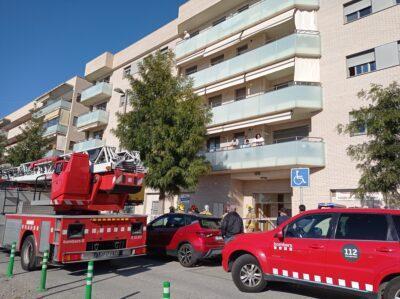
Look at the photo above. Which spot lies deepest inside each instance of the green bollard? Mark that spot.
(89, 279)
(42, 287)
(10, 268)
(166, 290)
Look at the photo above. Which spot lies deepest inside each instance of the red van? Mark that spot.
(352, 250)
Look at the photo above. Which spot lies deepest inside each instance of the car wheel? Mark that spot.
(392, 290)
(248, 275)
(29, 259)
(186, 255)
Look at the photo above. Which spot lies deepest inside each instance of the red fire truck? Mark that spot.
(71, 206)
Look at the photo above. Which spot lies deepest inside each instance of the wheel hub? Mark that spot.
(250, 275)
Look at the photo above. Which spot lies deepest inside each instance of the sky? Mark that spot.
(46, 42)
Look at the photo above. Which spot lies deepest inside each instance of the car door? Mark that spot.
(364, 245)
(301, 253)
(155, 232)
(170, 234)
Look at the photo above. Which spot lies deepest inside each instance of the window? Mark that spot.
(210, 223)
(362, 227)
(122, 100)
(357, 9)
(361, 128)
(175, 221)
(164, 50)
(282, 85)
(78, 97)
(396, 220)
(361, 63)
(160, 222)
(98, 135)
(75, 121)
(71, 145)
(105, 79)
(315, 226)
(242, 49)
(243, 8)
(219, 21)
(127, 71)
(291, 134)
(191, 70)
(102, 106)
(75, 231)
(51, 122)
(213, 144)
(217, 60)
(240, 94)
(215, 101)
(194, 33)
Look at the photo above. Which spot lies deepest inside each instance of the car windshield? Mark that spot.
(211, 223)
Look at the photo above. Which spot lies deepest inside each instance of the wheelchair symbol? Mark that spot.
(298, 179)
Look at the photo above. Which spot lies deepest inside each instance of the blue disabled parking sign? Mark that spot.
(300, 177)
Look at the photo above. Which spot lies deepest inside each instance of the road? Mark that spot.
(141, 277)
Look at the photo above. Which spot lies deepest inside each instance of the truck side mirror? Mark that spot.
(279, 235)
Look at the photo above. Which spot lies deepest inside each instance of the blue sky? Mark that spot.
(45, 42)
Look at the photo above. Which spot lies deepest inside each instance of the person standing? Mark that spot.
(302, 208)
(283, 216)
(232, 224)
(206, 211)
(171, 210)
(251, 220)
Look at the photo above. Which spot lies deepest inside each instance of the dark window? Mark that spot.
(215, 101)
(217, 59)
(194, 33)
(241, 50)
(127, 71)
(136, 228)
(213, 144)
(360, 129)
(396, 220)
(365, 12)
(362, 227)
(210, 223)
(282, 85)
(291, 134)
(160, 222)
(75, 121)
(78, 98)
(191, 70)
(102, 106)
(355, 15)
(164, 50)
(311, 227)
(219, 21)
(240, 138)
(240, 94)
(175, 221)
(352, 17)
(122, 100)
(75, 231)
(71, 145)
(243, 8)
(362, 69)
(98, 135)
(51, 122)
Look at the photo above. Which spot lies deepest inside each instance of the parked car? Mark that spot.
(350, 250)
(190, 237)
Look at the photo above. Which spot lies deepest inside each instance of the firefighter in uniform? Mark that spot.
(206, 211)
(251, 220)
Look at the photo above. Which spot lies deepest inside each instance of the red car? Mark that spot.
(190, 237)
(351, 250)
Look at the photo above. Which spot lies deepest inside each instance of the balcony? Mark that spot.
(304, 152)
(297, 97)
(96, 93)
(53, 153)
(92, 120)
(56, 129)
(297, 44)
(254, 15)
(60, 104)
(88, 144)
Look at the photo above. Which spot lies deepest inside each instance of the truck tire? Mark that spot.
(186, 255)
(29, 259)
(248, 275)
(392, 290)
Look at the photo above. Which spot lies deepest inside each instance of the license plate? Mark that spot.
(218, 238)
(106, 254)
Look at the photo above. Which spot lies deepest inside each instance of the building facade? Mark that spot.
(280, 76)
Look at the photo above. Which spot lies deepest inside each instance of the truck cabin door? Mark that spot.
(364, 246)
(299, 251)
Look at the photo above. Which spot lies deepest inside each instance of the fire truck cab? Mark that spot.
(71, 206)
(350, 250)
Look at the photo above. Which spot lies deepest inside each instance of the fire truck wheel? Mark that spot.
(392, 290)
(186, 255)
(29, 260)
(247, 274)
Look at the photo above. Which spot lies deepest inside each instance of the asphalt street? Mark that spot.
(141, 277)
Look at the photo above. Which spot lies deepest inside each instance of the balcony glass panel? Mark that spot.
(56, 129)
(99, 116)
(60, 104)
(297, 44)
(95, 93)
(264, 10)
(88, 144)
(286, 154)
(295, 96)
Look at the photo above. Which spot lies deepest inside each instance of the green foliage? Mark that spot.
(31, 144)
(379, 156)
(3, 144)
(167, 125)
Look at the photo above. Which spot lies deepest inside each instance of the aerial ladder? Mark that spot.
(72, 205)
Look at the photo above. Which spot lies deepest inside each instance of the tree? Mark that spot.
(31, 144)
(379, 156)
(167, 125)
(3, 144)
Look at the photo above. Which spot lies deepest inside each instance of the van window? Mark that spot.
(362, 227)
(310, 226)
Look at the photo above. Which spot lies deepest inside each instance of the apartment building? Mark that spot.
(279, 76)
